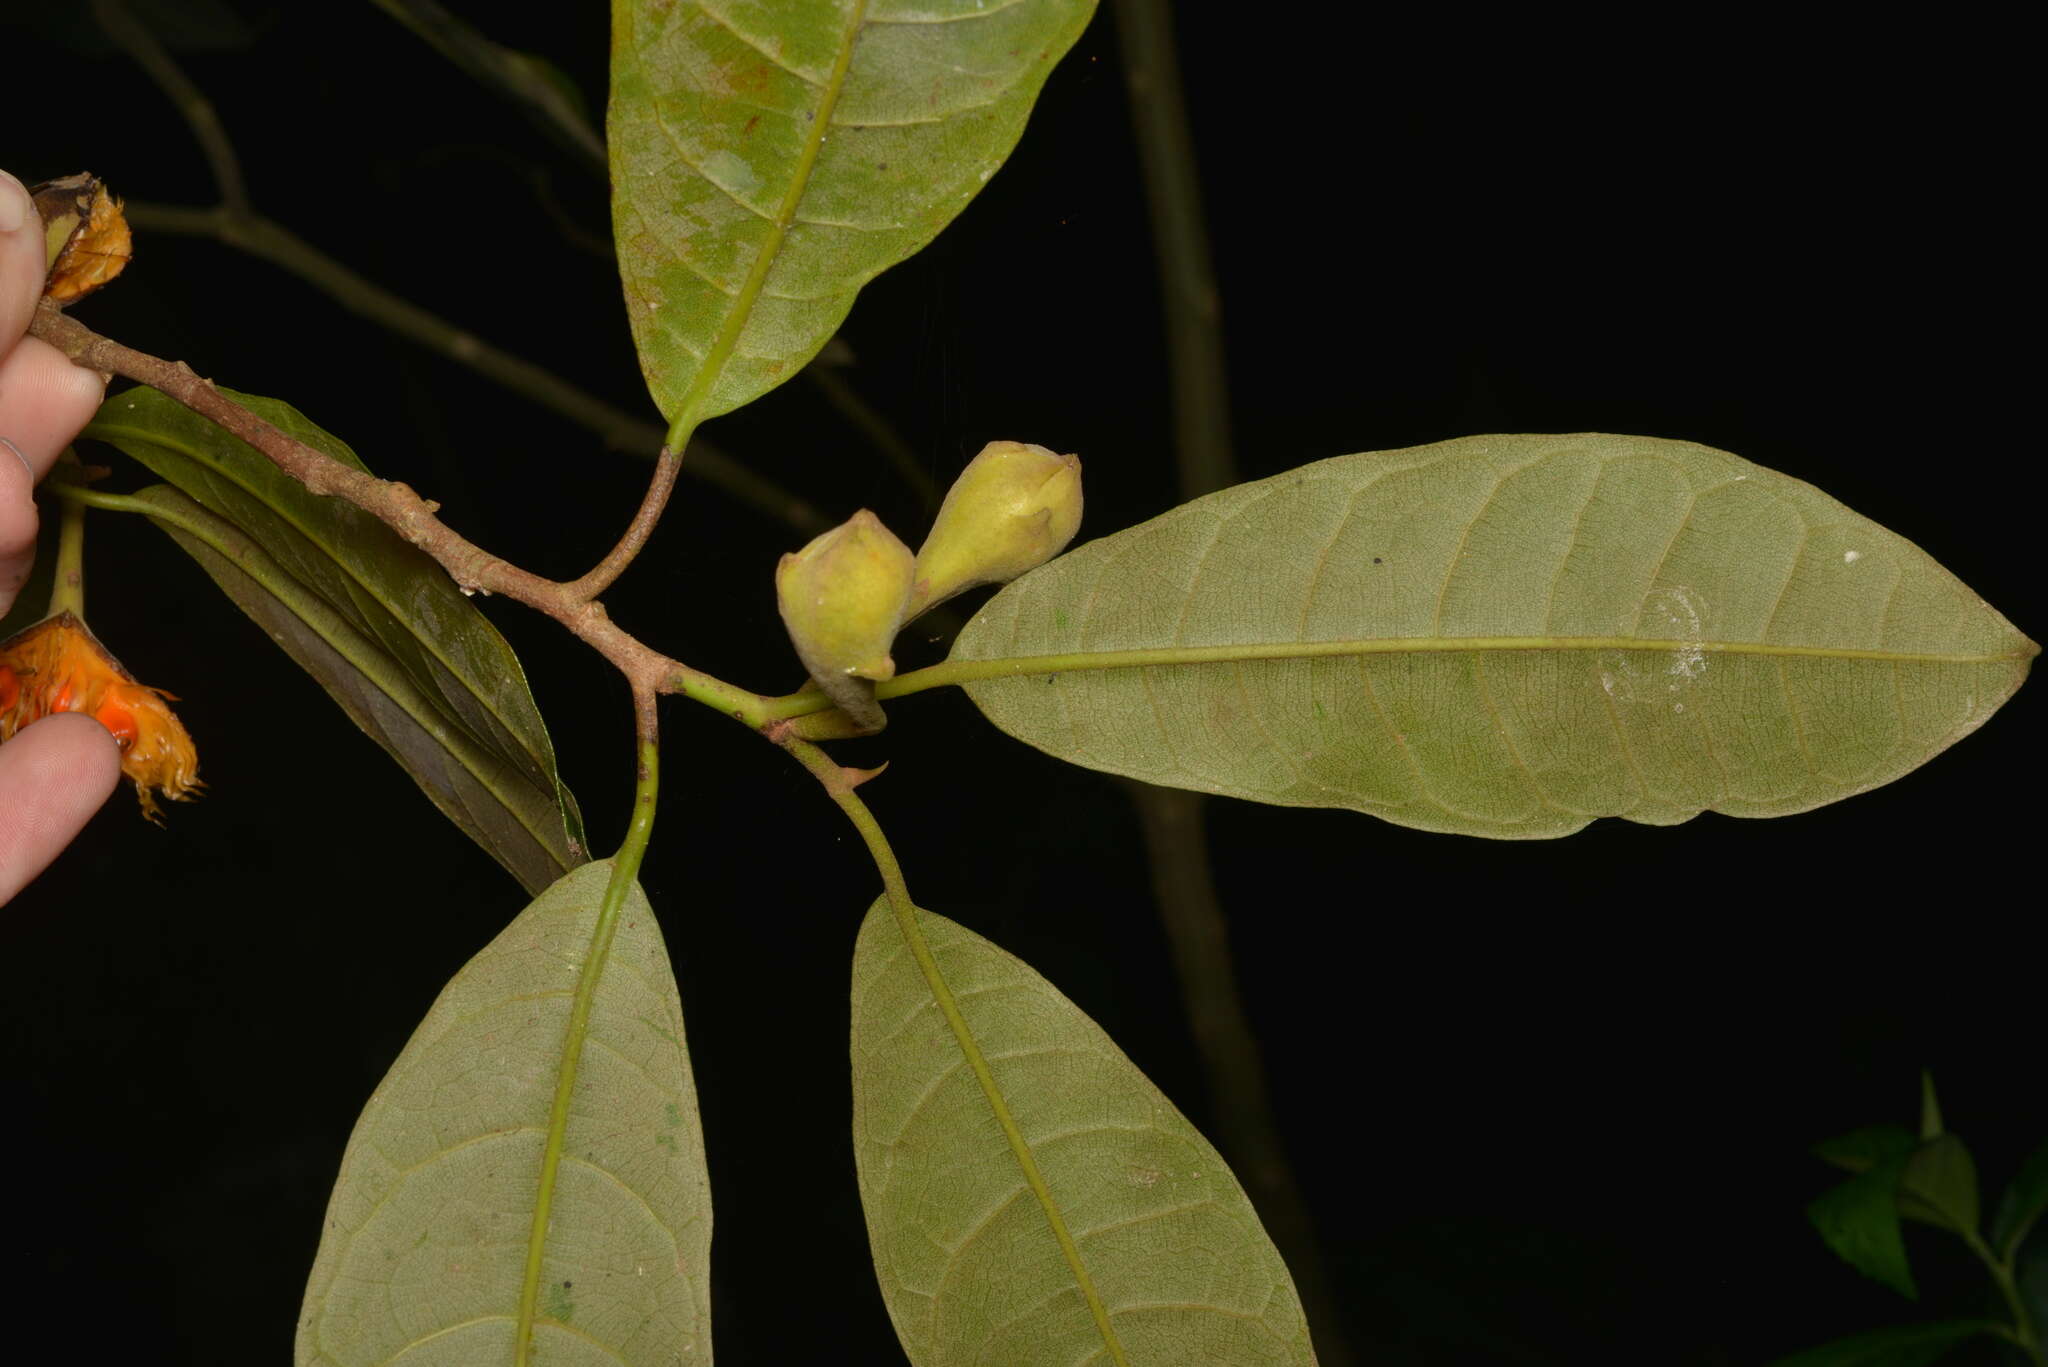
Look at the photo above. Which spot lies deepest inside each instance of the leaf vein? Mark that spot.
(725, 22)
(987, 12)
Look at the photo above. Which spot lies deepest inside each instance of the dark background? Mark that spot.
(1550, 1101)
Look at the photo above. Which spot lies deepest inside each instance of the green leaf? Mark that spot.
(1032, 1199)
(374, 620)
(1930, 1107)
(1860, 1221)
(1909, 1345)
(1939, 1185)
(2031, 1275)
(1862, 1150)
(2023, 1203)
(770, 159)
(431, 1243)
(1505, 636)
(476, 787)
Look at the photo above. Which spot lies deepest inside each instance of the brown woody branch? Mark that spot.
(269, 241)
(572, 604)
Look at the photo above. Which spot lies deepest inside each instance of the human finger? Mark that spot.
(18, 522)
(23, 260)
(53, 776)
(44, 400)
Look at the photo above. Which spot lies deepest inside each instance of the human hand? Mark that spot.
(56, 773)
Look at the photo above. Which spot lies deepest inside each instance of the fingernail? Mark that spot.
(16, 449)
(14, 204)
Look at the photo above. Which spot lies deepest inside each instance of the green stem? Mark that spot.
(2023, 1331)
(839, 785)
(747, 708)
(625, 869)
(840, 788)
(67, 585)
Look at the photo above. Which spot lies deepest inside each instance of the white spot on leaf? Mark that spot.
(1676, 613)
(731, 174)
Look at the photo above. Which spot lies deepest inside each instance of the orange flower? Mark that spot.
(87, 236)
(58, 665)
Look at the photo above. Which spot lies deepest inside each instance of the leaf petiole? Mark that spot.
(839, 785)
(625, 870)
(67, 584)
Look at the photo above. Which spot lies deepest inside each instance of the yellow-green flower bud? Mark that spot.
(1013, 508)
(843, 598)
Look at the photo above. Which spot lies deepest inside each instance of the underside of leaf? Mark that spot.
(1505, 636)
(770, 159)
(374, 620)
(426, 1251)
(1127, 1242)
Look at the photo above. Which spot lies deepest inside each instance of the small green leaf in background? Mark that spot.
(1506, 636)
(426, 1246)
(2031, 1273)
(2023, 1203)
(1862, 1150)
(374, 620)
(537, 85)
(1930, 1107)
(770, 159)
(1939, 1185)
(1860, 1221)
(1911, 1345)
(973, 1274)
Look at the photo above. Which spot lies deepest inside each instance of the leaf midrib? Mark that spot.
(742, 309)
(331, 627)
(906, 914)
(973, 670)
(625, 868)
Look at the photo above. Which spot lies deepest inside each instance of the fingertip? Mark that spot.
(23, 260)
(87, 757)
(18, 525)
(44, 400)
(53, 776)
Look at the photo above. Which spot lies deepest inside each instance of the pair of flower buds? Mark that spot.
(846, 595)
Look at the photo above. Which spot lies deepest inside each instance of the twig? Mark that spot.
(876, 429)
(236, 224)
(411, 516)
(138, 42)
(261, 237)
(514, 74)
(1187, 280)
(614, 564)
